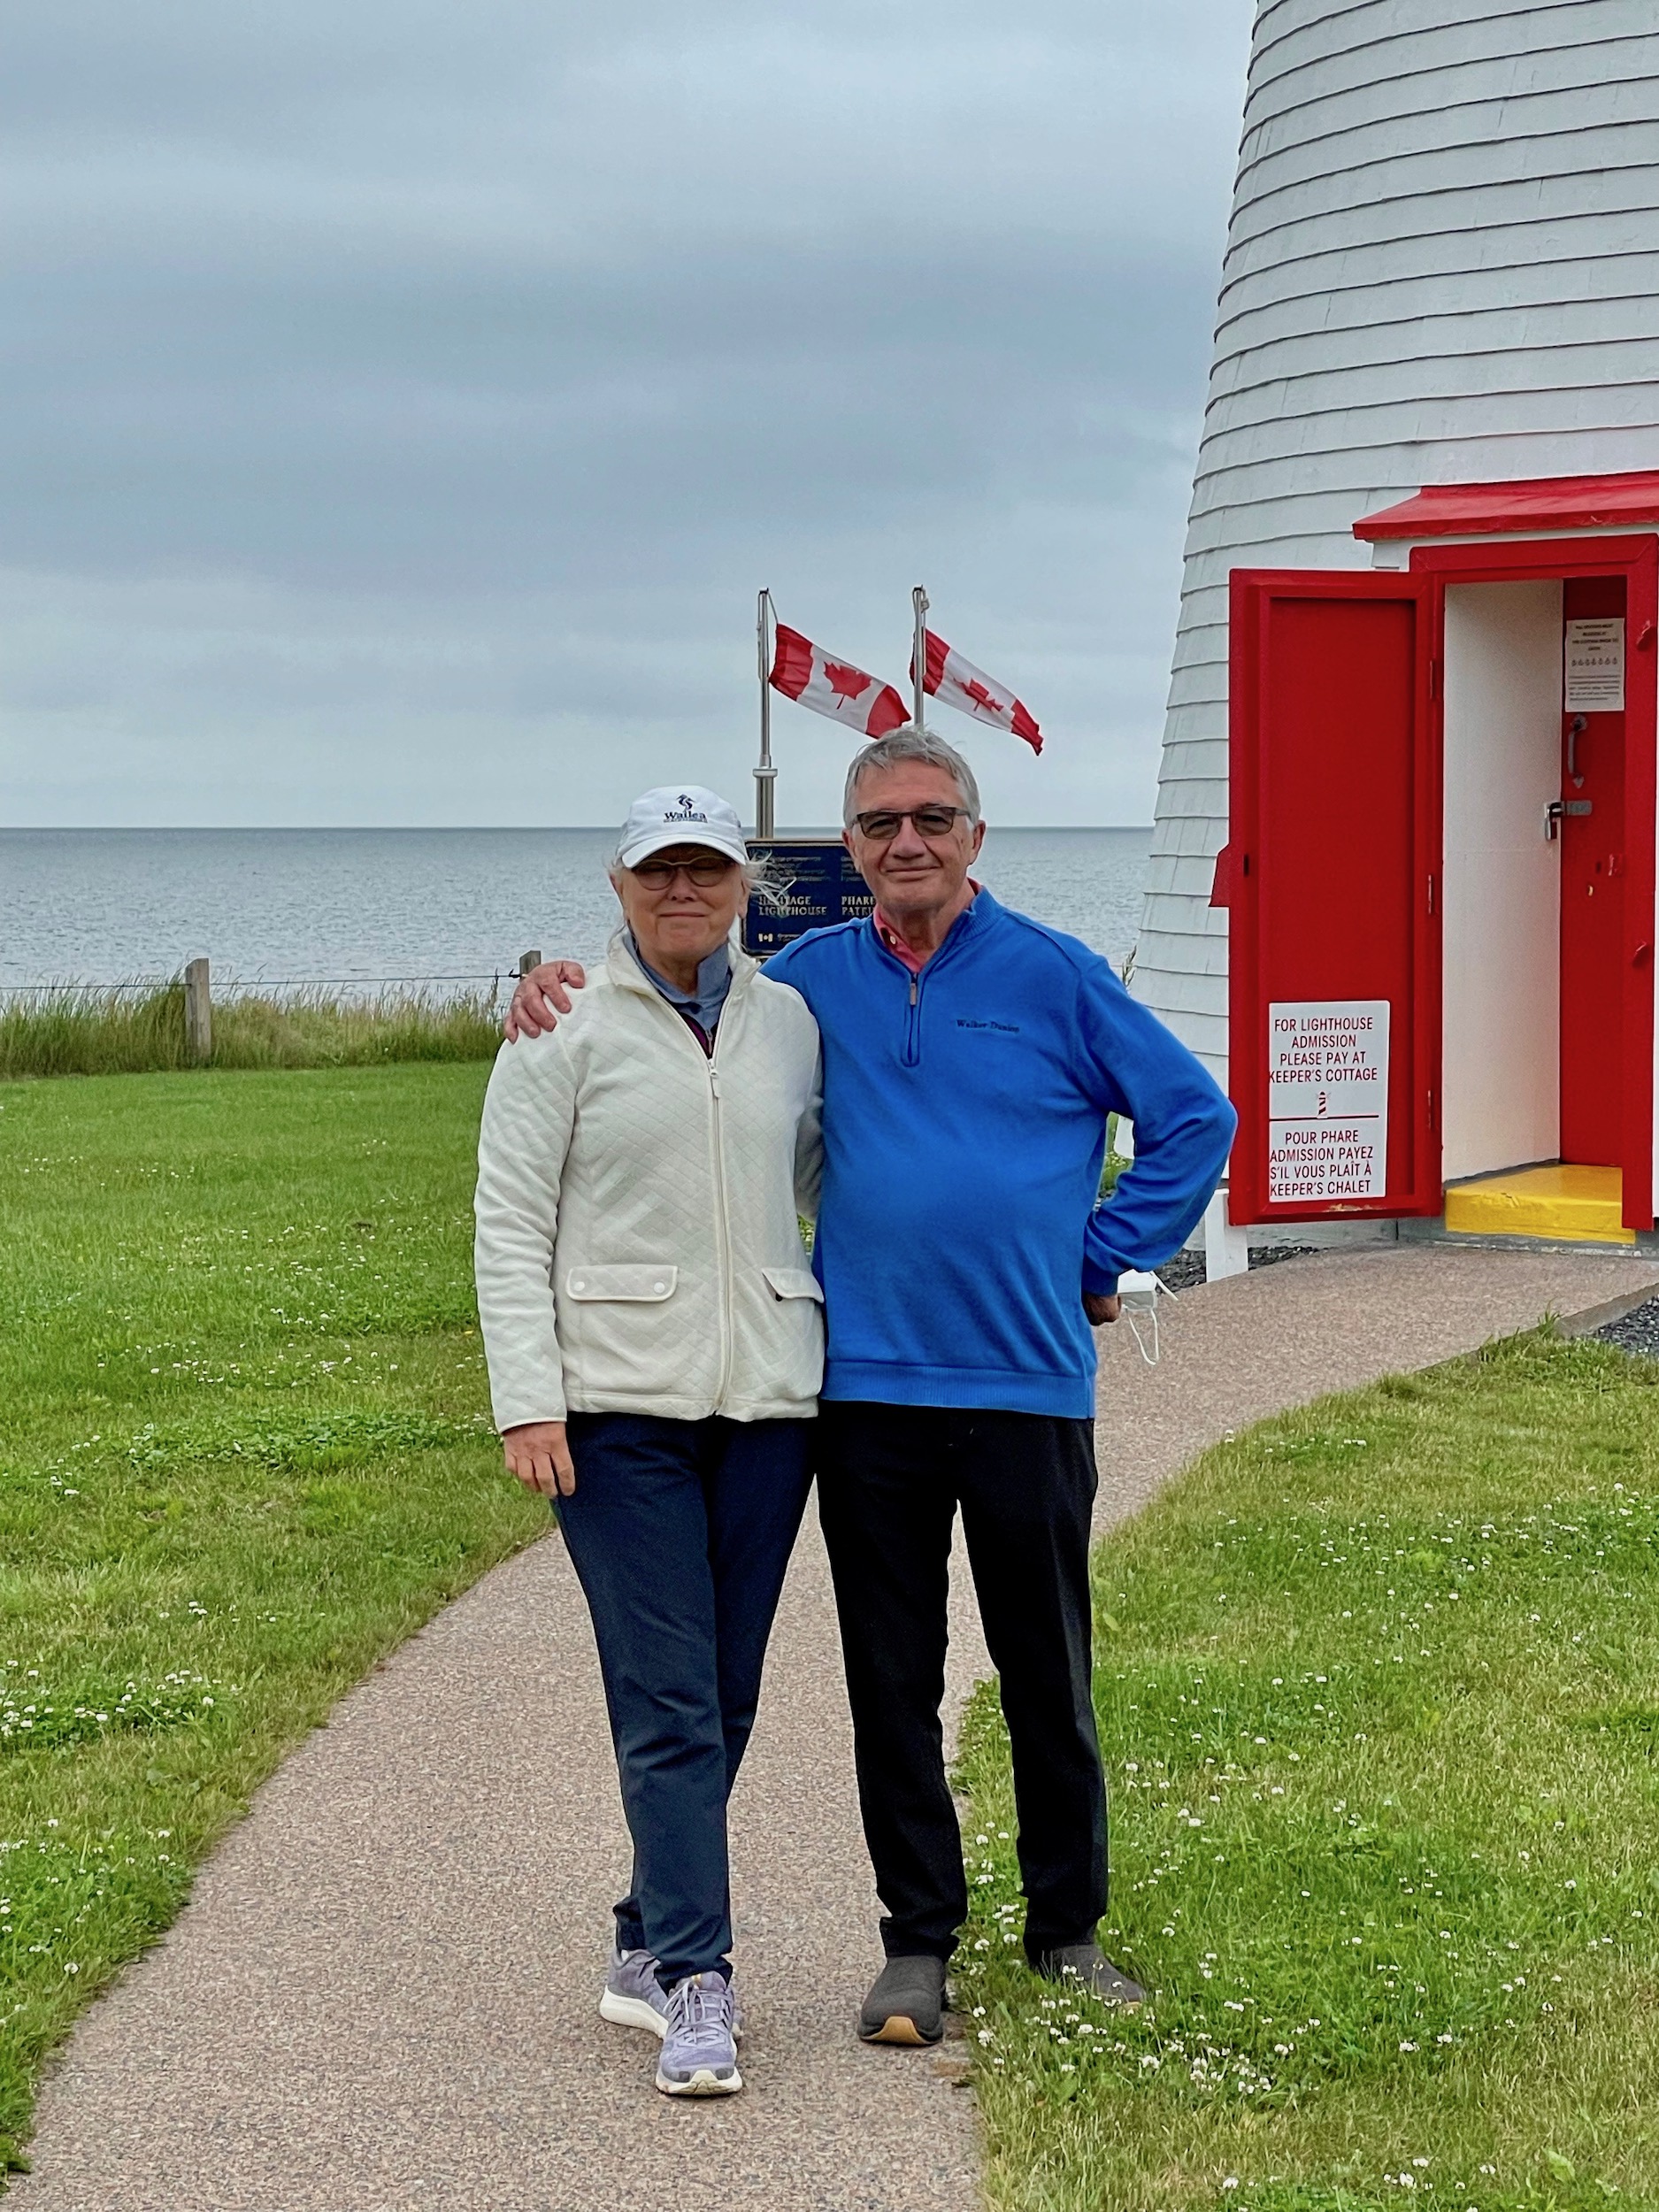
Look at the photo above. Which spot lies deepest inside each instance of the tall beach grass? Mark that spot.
(103, 1030)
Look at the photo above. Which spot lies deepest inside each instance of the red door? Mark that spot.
(1593, 878)
(1329, 871)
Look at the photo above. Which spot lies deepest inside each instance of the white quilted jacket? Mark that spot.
(637, 1247)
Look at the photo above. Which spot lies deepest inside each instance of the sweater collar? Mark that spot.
(624, 965)
(704, 1002)
(893, 945)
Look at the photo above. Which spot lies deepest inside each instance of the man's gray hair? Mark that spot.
(910, 741)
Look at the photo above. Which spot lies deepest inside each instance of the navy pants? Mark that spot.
(680, 1533)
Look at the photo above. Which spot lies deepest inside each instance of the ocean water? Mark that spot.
(440, 907)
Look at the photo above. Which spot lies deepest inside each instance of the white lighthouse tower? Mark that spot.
(1437, 353)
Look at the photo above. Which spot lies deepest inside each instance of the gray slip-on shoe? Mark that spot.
(1086, 1967)
(907, 2003)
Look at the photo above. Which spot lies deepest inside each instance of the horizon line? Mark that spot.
(513, 829)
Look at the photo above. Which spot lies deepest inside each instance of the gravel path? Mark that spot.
(1636, 1331)
(382, 1995)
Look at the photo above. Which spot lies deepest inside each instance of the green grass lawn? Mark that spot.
(243, 1452)
(1378, 1683)
(1379, 1690)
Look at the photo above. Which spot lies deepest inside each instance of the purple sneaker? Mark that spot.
(634, 1997)
(699, 2056)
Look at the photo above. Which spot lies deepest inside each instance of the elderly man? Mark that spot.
(970, 1059)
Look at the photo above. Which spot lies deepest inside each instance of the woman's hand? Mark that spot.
(537, 1453)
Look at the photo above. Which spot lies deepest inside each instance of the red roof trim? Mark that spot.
(1544, 503)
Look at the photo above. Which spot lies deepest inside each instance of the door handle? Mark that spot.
(1556, 808)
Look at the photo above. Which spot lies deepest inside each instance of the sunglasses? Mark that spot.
(657, 875)
(929, 821)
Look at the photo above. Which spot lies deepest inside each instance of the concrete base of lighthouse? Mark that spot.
(1501, 1210)
(1558, 1202)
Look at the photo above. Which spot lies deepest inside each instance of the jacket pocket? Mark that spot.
(779, 1313)
(631, 1282)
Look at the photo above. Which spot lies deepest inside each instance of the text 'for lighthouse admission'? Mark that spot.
(1327, 1099)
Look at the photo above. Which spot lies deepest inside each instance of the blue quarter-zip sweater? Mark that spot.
(964, 1126)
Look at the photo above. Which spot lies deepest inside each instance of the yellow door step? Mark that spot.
(1581, 1205)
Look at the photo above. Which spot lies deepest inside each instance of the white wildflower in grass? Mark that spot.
(1384, 1921)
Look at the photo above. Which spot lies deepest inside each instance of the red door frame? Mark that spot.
(1251, 590)
(1636, 560)
(1432, 568)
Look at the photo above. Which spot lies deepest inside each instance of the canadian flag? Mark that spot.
(960, 684)
(805, 672)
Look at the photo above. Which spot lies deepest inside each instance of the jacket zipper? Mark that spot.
(912, 1056)
(722, 1228)
(723, 1234)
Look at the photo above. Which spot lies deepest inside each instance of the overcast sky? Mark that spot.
(403, 404)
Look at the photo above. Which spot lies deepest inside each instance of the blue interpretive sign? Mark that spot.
(809, 883)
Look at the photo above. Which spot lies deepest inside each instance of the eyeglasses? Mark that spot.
(882, 827)
(657, 875)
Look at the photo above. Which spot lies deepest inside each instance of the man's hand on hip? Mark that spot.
(542, 996)
(537, 1453)
(1098, 1311)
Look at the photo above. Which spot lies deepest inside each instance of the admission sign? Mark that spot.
(1328, 1063)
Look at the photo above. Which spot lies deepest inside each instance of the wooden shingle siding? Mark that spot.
(1442, 267)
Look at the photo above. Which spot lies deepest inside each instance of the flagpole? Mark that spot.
(919, 653)
(765, 774)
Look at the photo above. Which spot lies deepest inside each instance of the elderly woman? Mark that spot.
(655, 1343)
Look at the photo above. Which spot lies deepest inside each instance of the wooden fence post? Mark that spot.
(198, 1011)
(528, 960)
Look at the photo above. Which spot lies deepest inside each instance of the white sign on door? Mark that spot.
(1327, 1099)
(1595, 666)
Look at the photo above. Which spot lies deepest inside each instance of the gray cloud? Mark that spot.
(406, 402)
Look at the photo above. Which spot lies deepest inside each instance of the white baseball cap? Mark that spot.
(679, 814)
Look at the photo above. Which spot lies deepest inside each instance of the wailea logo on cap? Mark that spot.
(677, 814)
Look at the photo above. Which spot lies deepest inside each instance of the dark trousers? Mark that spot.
(680, 1533)
(890, 1480)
